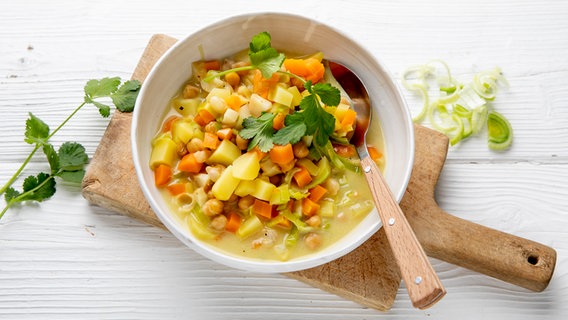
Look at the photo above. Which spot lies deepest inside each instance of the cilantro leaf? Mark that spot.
(294, 130)
(319, 122)
(52, 158)
(37, 188)
(328, 94)
(101, 88)
(72, 176)
(263, 56)
(72, 156)
(104, 109)
(260, 42)
(37, 131)
(11, 194)
(125, 97)
(260, 130)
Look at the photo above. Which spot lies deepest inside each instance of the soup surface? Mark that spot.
(256, 160)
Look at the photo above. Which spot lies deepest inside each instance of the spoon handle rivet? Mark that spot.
(418, 280)
(367, 169)
(391, 221)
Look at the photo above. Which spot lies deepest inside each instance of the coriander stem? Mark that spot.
(23, 195)
(67, 119)
(19, 171)
(37, 146)
(220, 74)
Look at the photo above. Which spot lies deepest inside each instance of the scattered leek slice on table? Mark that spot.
(460, 110)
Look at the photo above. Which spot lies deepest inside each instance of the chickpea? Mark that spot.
(202, 155)
(194, 145)
(300, 150)
(190, 91)
(218, 222)
(314, 221)
(245, 202)
(332, 186)
(211, 127)
(212, 207)
(233, 79)
(214, 172)
(242, 144)
(181, 150)
(312, 240)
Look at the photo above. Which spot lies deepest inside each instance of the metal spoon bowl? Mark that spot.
(423, 285)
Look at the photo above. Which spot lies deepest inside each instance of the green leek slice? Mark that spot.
(500, 132)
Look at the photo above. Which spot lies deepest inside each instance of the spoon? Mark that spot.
(423, 285)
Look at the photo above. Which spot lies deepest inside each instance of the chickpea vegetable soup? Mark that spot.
(253, 155)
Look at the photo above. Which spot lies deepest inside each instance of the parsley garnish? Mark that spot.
(260, 130)
(262, 57)
(68, 162)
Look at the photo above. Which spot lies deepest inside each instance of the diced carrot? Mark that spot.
(310, 69)
(233, 222)
(374, 153)
(262, 208)
(345, 150)
(302, 177)
(309, 207)
(212, 65)
(262, 86)
(162, 175)
(281, 154)
(176, 188)
(316, 70)
(258, 152)
(225, 133)
(349, 118)
(278, 122)
(317, 192)
(189, 164)
(168, 123)
(203, 117)
(286, 224)
(210, 141)
(235, 102)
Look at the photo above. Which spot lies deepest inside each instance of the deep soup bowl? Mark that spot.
(391, 118)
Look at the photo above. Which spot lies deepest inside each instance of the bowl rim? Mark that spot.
(268, 266)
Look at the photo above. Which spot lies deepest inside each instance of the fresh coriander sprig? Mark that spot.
(262, 57)
(68, 162)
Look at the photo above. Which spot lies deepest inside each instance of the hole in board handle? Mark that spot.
(532, 259)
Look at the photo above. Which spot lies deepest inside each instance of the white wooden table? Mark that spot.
(66, 259)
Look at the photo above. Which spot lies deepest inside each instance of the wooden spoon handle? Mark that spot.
(423, 285)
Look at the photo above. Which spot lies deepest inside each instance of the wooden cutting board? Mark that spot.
(368, 275)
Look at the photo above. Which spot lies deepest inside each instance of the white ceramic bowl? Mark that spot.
(294, 34)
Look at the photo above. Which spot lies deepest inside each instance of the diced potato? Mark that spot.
(183, 131)
(280, 95)
(230, 118)
(225, 154)
(327, 209)
(218, 104)
(263, 189)
(224, 187)
(246, 166)
(219, 92)
(249, 227)
(245, 188)
(297, 96)
(163, 152)
(186, 107)
(257, 105)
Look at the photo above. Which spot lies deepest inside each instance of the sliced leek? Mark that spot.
(459, 110)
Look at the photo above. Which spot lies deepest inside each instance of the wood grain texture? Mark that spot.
(65, 259)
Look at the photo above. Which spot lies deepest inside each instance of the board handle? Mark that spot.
(504, 256)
